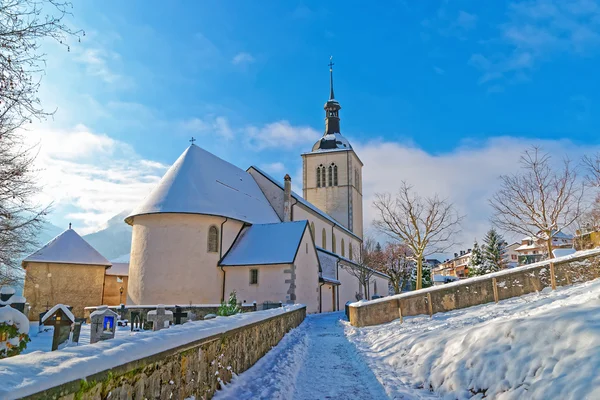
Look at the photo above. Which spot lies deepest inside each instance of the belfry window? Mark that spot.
(323, 176)
(333, 244)
(319, 176)
(335, 175)
(330, 176)
(213, 239)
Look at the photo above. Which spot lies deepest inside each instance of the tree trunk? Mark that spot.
(549, 248)
(419, 284)
(396, 285)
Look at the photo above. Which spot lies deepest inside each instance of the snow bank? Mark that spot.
(539, 346)
(510, 271)
(34, 372)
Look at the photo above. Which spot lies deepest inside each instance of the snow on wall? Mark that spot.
(539, 346)
(38, 371)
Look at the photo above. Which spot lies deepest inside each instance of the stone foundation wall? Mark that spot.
(480, 290)
(191, 370)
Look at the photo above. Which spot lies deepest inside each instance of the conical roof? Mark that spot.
(68, 248)
(201, 183)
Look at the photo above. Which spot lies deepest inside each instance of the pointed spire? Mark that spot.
(331, 64)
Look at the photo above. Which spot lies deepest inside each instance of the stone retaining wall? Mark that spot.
(194, 369)
(480, 290)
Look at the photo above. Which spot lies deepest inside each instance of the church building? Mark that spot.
(209, 228)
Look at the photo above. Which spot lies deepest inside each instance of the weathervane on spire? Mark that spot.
(331, 64)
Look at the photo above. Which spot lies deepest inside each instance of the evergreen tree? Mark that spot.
(493, 250)
(229, 308)
(427, 279)
(476, 261)
(378, 248)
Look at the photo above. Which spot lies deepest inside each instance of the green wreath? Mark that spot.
(9, 332)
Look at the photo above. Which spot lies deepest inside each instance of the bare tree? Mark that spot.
(427, 225)
(539, 201)
(366, 257)
(24, 25)
(592, 164)
(398, 264)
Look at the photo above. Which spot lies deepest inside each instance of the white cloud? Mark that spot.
(91, 174)
(536, 30)
(97, 63)
(208, 126)
(242, 58)
(467, 176)
(273, 168)
(280, 134)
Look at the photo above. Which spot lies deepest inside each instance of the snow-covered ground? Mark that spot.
(42, 341)
(540, 346)
(313, 361)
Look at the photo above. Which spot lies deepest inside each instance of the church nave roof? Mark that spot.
(199, 182)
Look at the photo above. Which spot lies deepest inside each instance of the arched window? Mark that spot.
(350, 250)
(319, 176)
(343, 250)
(213, 239)
(312, 229)
(323, 176)
(333, 246)
(335, 178)
(330, 176)
(324, 239)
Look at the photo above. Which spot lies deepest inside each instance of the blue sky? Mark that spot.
(442, 85)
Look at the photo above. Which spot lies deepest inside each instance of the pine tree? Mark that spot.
(494, 250)
(426, 280)
(229, 308)
(476, 261)
(378, 248)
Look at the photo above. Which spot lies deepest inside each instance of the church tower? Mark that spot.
(332, 172)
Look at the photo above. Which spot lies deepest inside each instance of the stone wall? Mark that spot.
(190, 370)
(112, 286)
(480, 290)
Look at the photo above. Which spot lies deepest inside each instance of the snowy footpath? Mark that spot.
(313, 361)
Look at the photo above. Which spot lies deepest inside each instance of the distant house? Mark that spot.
(511, 255)
(457, 266)
(534, 249)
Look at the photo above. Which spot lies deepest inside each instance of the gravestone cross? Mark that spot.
(104, 323)
(61, 320)
(160, 317)
(178, 315)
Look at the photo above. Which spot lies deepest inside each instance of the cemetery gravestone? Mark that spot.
(9, 299)
(160, 318)
(136, 321)
(178, 314)
(103, 324)
(61, 318)
(76, 332)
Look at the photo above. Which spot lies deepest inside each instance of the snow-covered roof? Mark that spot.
(349, 261)
(563, 252)
(307, 204)
(199, 182)
(332, 141)
(266, 244)
(68, 248)
(57, 307)
(119, 269)
(7, 290)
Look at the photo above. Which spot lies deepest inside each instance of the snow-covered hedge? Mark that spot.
(14, 326)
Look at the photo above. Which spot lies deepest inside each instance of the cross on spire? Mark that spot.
(192, 140)
(331, 64)
(69, 225)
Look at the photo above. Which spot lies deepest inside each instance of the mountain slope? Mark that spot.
(114, 240)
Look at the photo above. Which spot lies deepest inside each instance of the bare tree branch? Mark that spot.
(427, 225)
(539, 201)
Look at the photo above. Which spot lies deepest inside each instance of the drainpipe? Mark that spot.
(221, 256)
(321, 297)
(337, 276)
